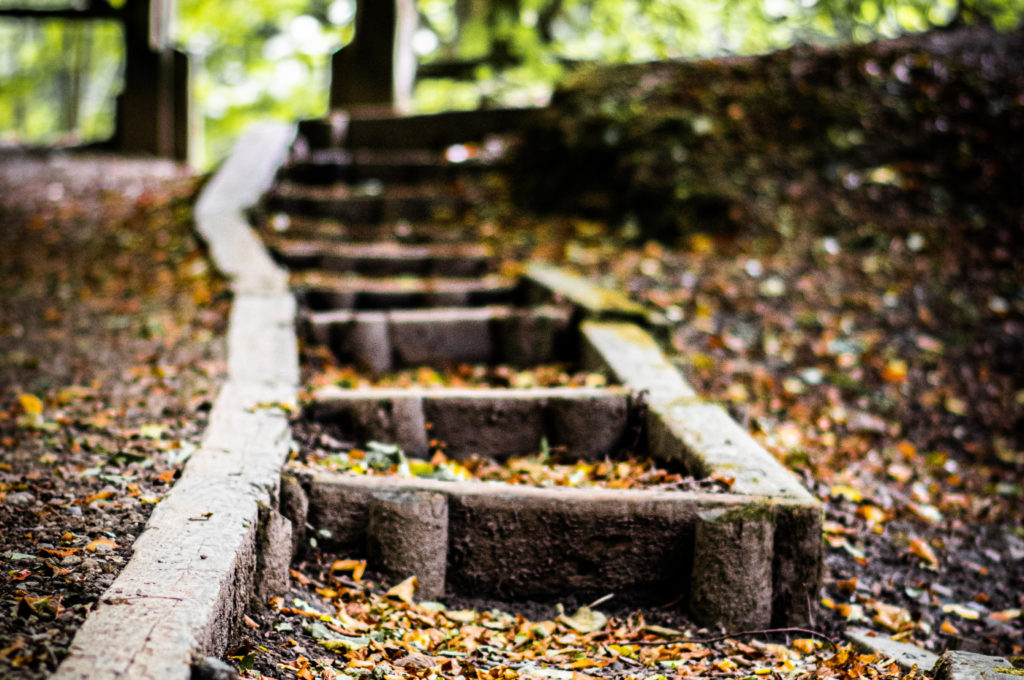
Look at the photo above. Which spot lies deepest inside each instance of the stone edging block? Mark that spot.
(383, 341)
(215, 541)
(590, 422)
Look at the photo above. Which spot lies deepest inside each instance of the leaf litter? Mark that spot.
(336, 623)
(109, 358)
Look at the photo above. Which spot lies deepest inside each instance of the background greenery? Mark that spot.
(269, 58)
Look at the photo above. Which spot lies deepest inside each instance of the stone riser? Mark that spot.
(436, 131)
(384, 259)
(384, 341)
(369, 209)
(332, 171)
(400, 293)
(588, 423)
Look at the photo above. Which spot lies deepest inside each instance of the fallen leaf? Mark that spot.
(585, 620)
(30, 404)
(962, 611)
(921, 549)
(101, 545)
(405, 590)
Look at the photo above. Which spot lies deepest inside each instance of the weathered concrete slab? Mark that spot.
(904, 654)
(629, 355)
(588, 422)
(195, 566)
(521, 542)
(545, 282)
(441, 336)
(954, 665)
(732, 553)
(322, 291)
(407, 535)
(219, 212)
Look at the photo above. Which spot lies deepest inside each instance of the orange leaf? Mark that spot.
(1006, 615)
(921, 549)
(405, 590)
(99, 496)
(895, 371)
(948, 628)
(98, 543)
(872, 513)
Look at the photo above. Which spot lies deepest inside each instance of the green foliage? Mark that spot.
(270, 58)
(58, 80)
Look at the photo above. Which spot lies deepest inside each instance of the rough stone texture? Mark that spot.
(904, 654)
(219, 212)
(732, 568)
(545, 282)
(589, 426)
(407, 535)
(441, 337)
(970, 666)
(343, 512)
(522, 337)
(392, 416)
(294, 506)
(273, 555)
(193, 569)
(367, 340)
(797, 562)
(504, 547)
(707, 437)
(519, 542)
(535, 336)
(630, 356)
(472, 421)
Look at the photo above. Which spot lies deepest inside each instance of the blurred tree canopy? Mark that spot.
(269, 58)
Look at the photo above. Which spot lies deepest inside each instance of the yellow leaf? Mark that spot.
(872, 513)
(848, 492)
(805, 645)
(948, 628)
(921, 549)
(30, 404)
(405, 590)
(895, 371)
(962, 611)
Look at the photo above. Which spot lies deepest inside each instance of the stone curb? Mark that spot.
(951, 665)
(198, 563)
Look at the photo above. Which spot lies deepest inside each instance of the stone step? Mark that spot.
(321, 291)
(385, 258)
(281, 225)
(589, 422)
(384, 341)
(428, 131)
(370, 203)
(395, 167)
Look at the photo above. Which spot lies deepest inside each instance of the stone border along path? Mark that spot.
(215, 541)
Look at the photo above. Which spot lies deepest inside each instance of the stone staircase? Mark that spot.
(395, 232)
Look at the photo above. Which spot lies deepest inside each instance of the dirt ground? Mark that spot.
(110, 356)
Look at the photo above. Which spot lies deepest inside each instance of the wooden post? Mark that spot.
(377, 68)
